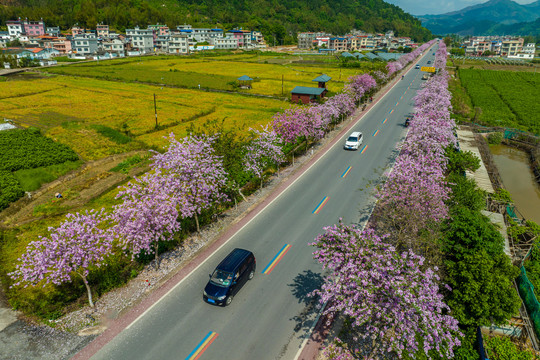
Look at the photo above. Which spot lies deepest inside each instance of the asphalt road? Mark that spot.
(272, 314)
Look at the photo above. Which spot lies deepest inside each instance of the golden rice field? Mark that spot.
(66, 107)
(215, 72)
(72, 99)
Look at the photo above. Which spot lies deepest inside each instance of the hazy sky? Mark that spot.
(423, 7)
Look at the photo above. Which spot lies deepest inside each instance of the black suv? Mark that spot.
(229, 277)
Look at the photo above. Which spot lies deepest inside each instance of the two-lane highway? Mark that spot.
(271, 315)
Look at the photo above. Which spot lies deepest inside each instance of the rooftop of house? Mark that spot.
(322, 78)
(304, 90)
(244, 78)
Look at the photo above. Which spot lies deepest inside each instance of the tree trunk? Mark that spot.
(373, 350)
(197, 222)
(156, 245)
(87, 289)
(242, 195)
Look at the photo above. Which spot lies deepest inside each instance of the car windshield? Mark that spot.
(221, 278)
(352, 139)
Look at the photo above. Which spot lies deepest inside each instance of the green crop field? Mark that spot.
(506, 98)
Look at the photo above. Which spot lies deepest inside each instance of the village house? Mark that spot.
(102, 31)
(306, 95)
(227, 42)
(141, 39)
(84, 45)
(338, 44)
(178, 44)
(63, 46)
(511, 47)
(113, 46)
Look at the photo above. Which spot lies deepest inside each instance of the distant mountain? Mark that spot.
(277, 19)
(526, 28)
(483, 19)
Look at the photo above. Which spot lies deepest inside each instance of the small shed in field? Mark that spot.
(322, 80)
(245, 81)
(306, 94)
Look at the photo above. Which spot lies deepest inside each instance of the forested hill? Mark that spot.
(279, 18)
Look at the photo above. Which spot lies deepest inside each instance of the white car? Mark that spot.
(354, 141)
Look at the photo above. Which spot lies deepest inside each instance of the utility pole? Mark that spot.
(155, 109)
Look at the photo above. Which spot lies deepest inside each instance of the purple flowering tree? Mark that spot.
(289, 124)
(197, 174)
(380, 77)
(337, 107)
(263, 151)
(75, 247)
(389, 297)
(413, 199)
(147, 215)
(358, 85)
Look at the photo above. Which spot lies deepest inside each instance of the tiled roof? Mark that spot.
(308, 90)
(322, 78)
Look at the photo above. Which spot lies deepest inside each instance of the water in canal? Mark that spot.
(518, 179)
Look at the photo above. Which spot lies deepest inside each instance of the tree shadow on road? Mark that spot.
(303, 284)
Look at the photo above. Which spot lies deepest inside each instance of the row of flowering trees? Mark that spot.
(313, 121)
(379, 275)
(187, 179)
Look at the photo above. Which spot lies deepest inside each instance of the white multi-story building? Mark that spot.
(162, 43)
(178, 44)
(205, 34)
(529, 48)
(15, 28)
(113, 46)
(227, 42)
(141, 39)
(84, 45)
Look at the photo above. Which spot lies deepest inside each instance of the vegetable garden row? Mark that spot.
(505, 98)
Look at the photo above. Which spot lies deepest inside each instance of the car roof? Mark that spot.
(356, 133)
(235, 258)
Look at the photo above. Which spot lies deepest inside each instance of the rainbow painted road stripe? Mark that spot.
(203, 345)
(364, 149)
(384, 121)
(346, 172)
(268, 269)
(321, 205)
(375, 133)
(397, 103)
(391, 111)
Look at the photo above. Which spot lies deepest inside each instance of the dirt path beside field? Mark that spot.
(77, 188)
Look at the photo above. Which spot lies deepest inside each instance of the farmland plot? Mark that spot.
(69, 109)
(506, 98)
